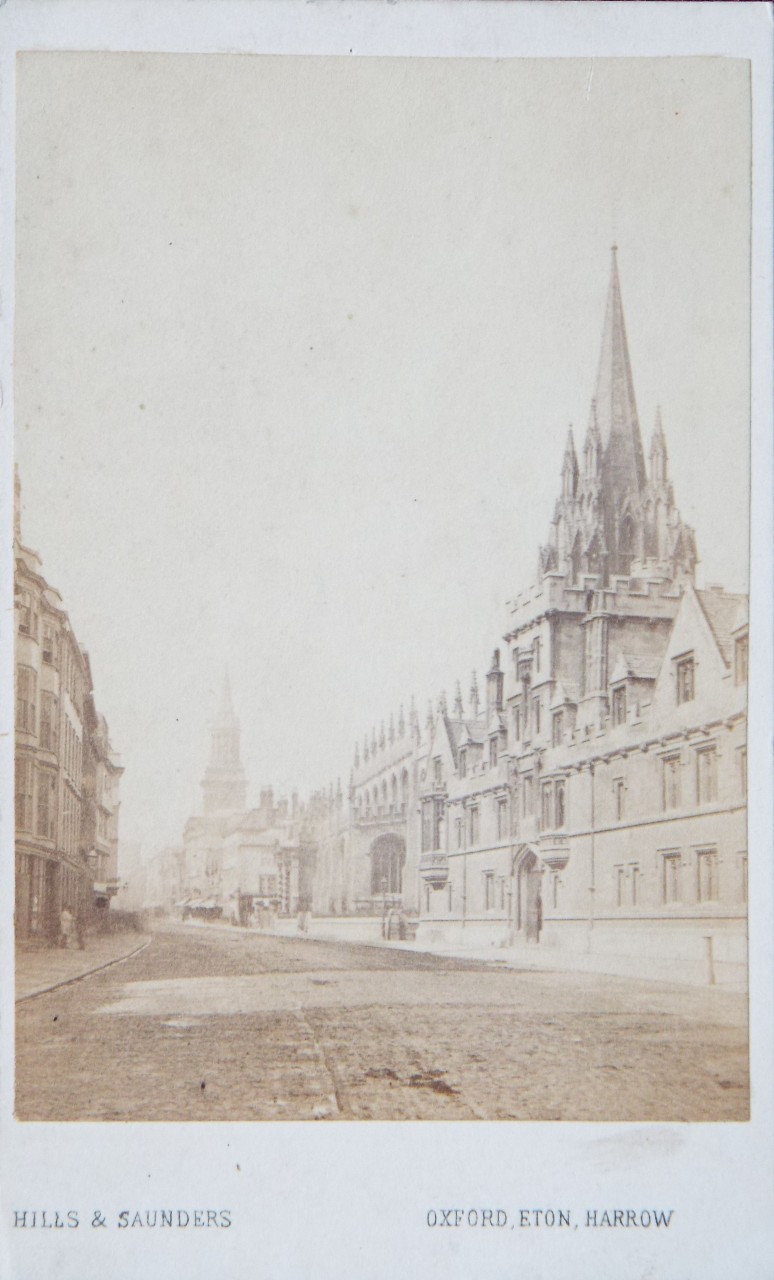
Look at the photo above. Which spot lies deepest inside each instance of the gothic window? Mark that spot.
(463, 763)
(437, 769)
(635, 883)
(706, 775)
(536, 646)
(536, 715)
(404, 790)
(489, 890)
(685, 673)
(671, 877)
(546, 806)
(493, 752)
(432, 824)
(502, 818)
(460, 833)
(619, 793)
(619, 705)
(620, 886)
(671, 782)
(707, 875)
(560, 812)
(473, 825)
(626, 543)
(394, 793)
(449, 896)
(25, 699)
(740, 660)
(528, 800)
(517, 723)
(557, 728)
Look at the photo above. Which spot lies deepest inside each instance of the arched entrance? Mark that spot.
(388, 855)
(528, 905)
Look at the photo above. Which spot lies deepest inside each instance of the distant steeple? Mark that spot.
(401, 723)
(616, 408)
(224, 785)
(459, 709)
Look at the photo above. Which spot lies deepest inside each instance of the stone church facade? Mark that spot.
(594, 799)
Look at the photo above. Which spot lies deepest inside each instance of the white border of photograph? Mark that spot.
(353, 1199)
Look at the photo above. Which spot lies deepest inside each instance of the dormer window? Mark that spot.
(437, 770)
(685, 674)
(463, 763)
(619, 705)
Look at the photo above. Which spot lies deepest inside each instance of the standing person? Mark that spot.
(65, 926)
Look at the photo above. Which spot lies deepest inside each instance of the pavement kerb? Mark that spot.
(85, 973)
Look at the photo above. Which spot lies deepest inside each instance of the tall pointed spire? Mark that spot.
(616, 408)
(224, 785)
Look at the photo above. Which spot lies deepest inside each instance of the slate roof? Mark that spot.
(725, 612)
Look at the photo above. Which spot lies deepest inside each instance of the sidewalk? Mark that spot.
(39, 971)
(524, 957)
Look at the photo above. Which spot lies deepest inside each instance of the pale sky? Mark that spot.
(298, 341)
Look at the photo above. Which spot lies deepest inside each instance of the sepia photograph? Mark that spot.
(381, 572)
(380, 580)
(386, 640)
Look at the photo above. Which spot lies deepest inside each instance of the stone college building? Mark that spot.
(593, 800)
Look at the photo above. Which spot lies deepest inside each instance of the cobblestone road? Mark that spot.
(214, 1025)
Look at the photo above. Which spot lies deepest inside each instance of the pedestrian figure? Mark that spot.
(66, 921)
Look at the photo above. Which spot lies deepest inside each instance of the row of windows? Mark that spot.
(39, 818)
(553, 813)
(684, 878)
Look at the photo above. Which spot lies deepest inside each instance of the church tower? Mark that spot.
(224, 785)
(613, 518)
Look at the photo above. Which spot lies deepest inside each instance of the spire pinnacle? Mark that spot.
(615, 403)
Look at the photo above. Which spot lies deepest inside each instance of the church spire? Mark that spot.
(616, 408)
(224, 785)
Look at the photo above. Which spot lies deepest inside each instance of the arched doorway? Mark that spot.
(388, 855)
(528, 906)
